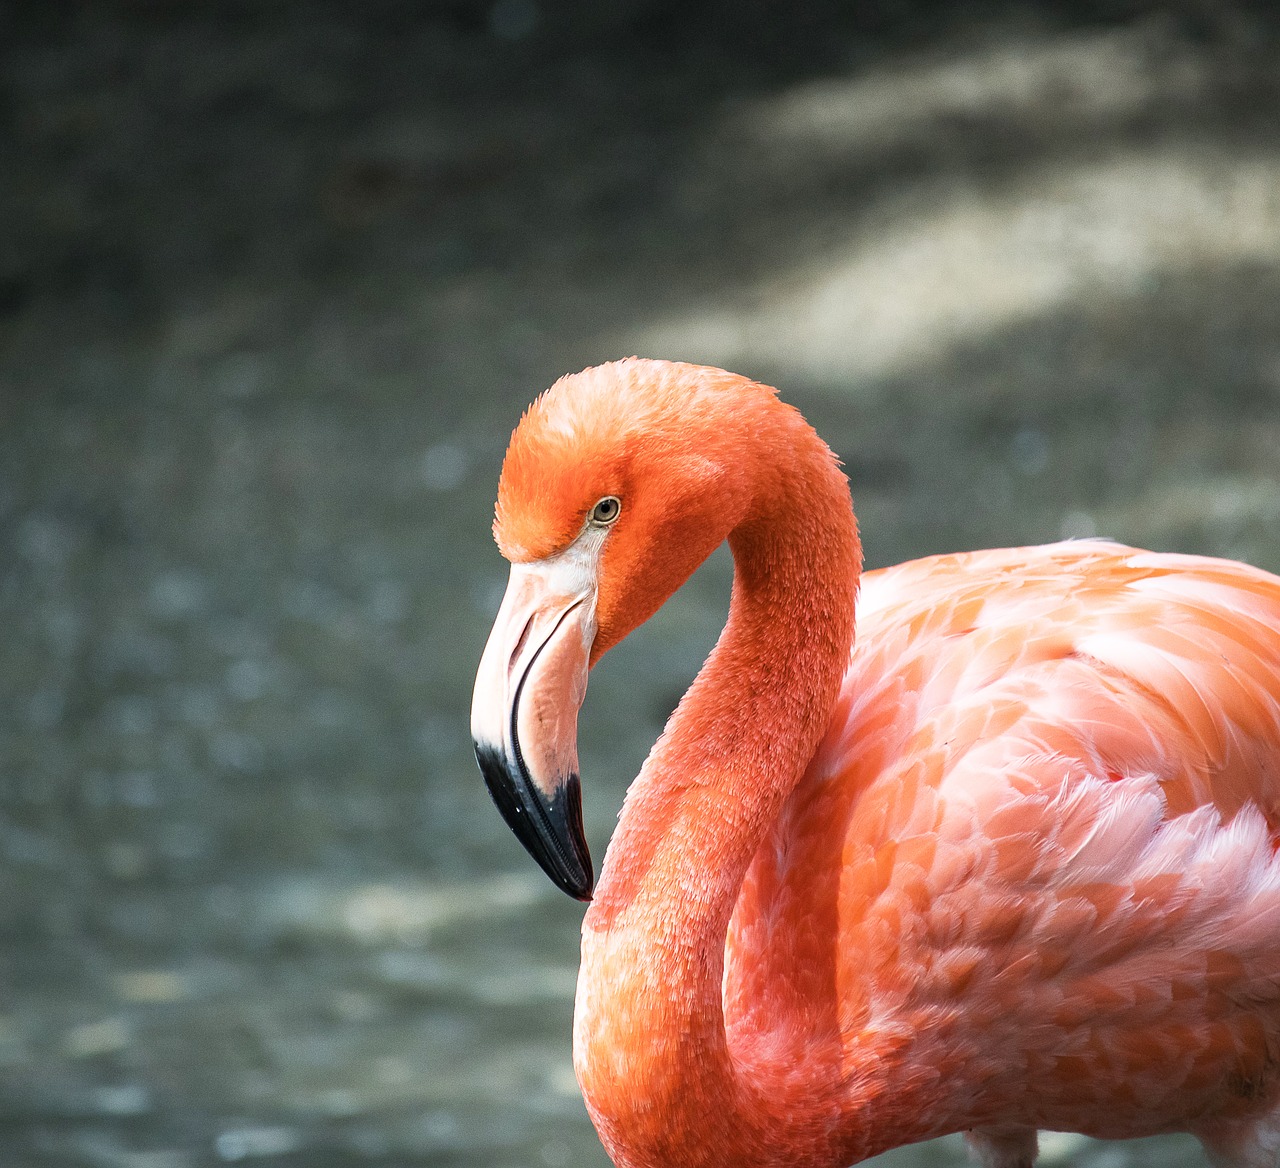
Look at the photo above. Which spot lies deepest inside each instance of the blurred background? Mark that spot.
(276, 280)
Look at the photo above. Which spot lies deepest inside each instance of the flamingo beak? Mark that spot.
(524, 715)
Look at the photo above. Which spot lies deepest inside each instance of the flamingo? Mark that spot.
(1006, 862)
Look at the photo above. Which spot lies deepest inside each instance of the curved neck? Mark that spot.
(650, 1045)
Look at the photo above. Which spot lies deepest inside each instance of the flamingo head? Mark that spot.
(618, 482)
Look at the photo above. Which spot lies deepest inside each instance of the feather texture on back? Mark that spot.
(1056, 779)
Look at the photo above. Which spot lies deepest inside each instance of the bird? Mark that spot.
(985, 842)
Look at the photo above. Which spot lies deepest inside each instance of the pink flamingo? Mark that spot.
(1006, 862)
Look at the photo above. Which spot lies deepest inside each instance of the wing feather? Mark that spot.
(1051, 798)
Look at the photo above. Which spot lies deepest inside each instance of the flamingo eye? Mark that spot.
(606, 511)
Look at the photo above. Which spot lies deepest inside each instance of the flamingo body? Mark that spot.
(1004, 861)
(1040, 827)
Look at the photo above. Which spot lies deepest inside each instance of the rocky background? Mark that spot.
(276, 280)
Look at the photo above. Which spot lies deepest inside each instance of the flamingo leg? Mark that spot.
(1003, 1147)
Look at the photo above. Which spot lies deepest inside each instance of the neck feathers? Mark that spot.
(649, 1024)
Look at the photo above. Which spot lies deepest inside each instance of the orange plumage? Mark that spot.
(1008, 863)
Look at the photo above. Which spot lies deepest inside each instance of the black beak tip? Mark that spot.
(550, 830)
